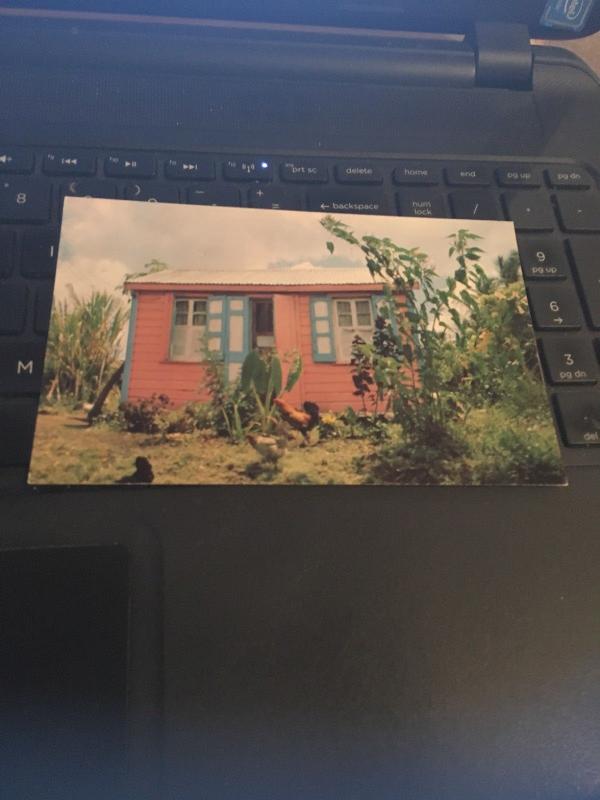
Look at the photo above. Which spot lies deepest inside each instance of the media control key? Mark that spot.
(16, 161)
(569, 360)
(190, 168)
(134, 166)
(332, 201)
(543, 259)
(579, 415)
(69, 163)
(21, 367)
(554, 307)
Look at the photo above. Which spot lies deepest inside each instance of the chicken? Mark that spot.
(271, 448)
(302, 421)
(143, 472)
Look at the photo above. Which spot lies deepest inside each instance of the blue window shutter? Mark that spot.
(379, 300)
(237, 335)
(321, 325)
(217, 323)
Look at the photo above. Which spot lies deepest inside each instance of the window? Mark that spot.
(263, 335)
(352, 318)
(189, 329)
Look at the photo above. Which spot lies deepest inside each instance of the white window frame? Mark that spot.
(364, 331)
(192, 333)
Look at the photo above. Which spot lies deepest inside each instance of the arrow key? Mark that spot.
(555, 307)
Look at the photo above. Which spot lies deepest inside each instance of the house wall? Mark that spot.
(327, 384)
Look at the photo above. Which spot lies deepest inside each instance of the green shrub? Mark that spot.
(145, 416)
(518, 455)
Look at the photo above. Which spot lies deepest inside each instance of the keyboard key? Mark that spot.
(17, 422)
(130, 166)
(21, 367)
(519, 176)
(585, 256)
(554, 307)
(421, 203)
(346, 201)
(69, 163)
(191, 168)
(152, 192)
(543, 259)
(579, 415)
(90, 188)
(43, 306)
(16, 161)
(214, 196)
(475, 205)
(248, 169)
(568, 178)
(579, 212)
(417, 173)
(13, 308)
(38, 254)
(530, 211)
(357, 172)
(273, 197)
(568, 359)
(304, 171)
(7, 253)
(469, 174)
(24, 201)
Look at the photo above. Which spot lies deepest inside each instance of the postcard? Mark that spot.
(210, 345)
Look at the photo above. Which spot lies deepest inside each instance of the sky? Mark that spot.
(103, 240)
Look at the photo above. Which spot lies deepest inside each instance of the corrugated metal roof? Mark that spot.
(313, 276)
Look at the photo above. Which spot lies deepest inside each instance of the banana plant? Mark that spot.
(262, 376)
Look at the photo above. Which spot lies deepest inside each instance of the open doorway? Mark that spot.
(263, 334)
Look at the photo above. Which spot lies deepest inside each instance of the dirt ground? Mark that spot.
(68, 451)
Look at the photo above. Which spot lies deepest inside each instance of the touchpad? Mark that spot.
(63, 677)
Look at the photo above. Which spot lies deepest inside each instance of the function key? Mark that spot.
(191, 168)
(554, 307)
(469, 175)
(530, 211)
(569, 178)
(357, 172)
(24, 201)
(16, 161)
(519, 176)
(152, 192)
(579, 414)
(543, 259)
(475, 205)
(346, 202)
(585, 259)
(13, 309)
(90, 188)
(7, 253)
(274, 197)
(579, 212)
(38, 254)
(248, 169)
(302, 171)
(569, 360)
(124, 166)
(416, 173)
(69, 163)
(421, 203)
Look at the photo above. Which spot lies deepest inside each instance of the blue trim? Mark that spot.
(222, 316)
(237, 356)
(329, 356)
(129, 349)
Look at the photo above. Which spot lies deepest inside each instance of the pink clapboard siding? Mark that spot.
(151, 372)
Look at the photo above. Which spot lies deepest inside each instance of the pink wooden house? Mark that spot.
(315, 311)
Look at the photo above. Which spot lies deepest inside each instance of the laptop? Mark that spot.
(305, 641)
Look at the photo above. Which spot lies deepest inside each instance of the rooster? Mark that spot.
(303, 421)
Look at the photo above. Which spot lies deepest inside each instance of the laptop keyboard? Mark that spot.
(555, 208)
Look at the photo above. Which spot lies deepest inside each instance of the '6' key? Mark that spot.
(555, 307)
(24, 201)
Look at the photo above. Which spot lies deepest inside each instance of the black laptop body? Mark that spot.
(304, 641)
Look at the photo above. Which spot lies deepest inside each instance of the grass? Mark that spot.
(68, 451)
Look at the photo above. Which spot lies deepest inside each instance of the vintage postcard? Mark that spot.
(209, 345)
